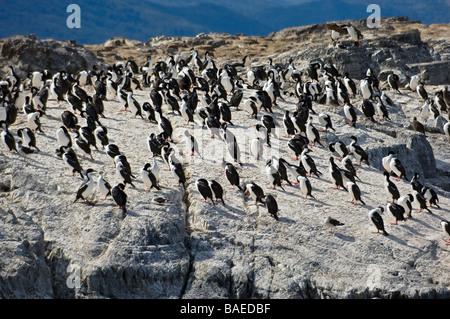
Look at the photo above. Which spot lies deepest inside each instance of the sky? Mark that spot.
(94, 22)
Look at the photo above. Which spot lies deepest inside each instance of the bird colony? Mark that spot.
(258, 147)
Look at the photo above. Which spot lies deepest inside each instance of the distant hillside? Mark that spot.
(141, 20)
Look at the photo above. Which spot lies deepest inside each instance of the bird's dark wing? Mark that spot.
(335, 27)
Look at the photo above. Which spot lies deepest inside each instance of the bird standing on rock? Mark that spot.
(397, 210)
(217, 190)
(204, 189)
(377, 220)
(87, 188)
(232, 176)
(331, 223)
(357, 151)
(103, 186)
(336, 175)
(120, 197)
(417, 126)
(305, 186)
(272, 206)
(355, 192)
(391, 188)
(445, 225)
(309, 163)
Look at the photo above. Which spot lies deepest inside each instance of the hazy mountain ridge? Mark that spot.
(101, 20)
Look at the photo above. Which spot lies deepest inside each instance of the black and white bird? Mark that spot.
(386, 99)
(350, 84)
(414, 82)
(22, 149)
(336, 175)
(419, 199)
(149, 112)
(232, 176)
(273, 175)
(366, 88)
(397, 211)
(348, 165)
(82, 145)
(27, 108)
(191, 143)
(350, 114)
(255, 192)
(297, 144)
(422, 91)
(249, 105)
(69, 120)
(217, 190)
(225, 113)
(149, 178)
(34, 122)
(154, 145)
(272, 206)
(381, 108)
(268, 122)
(112, 150)
(325, 121)
(232, 145)
(177, 170)
(312, 133)
(256, 148)
(281, 167)
(74, 101)
(386, 161)
(393, 81)
(445, 226)
(305, 186)
(431, 196)
(355, 192)
(103, 186)
(406, 202)
(309, 164)
(397, 168)
(357, 151)
(368, 109)
(391, 188)
(204, 189)
(340, 148)
(331, 223)
(377, 220)
(124, 172)
(101, 133)
(87, 188)
(347, 29)
(134, 106)
(120, 197)
(87, 133)
(263, 134)
(294, 169)
(288, 124)
(70, 158)
(28, 137)
(164, 124)
(214, 126)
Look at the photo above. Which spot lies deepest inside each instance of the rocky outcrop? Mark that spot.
(28, 53)
(53, 247)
